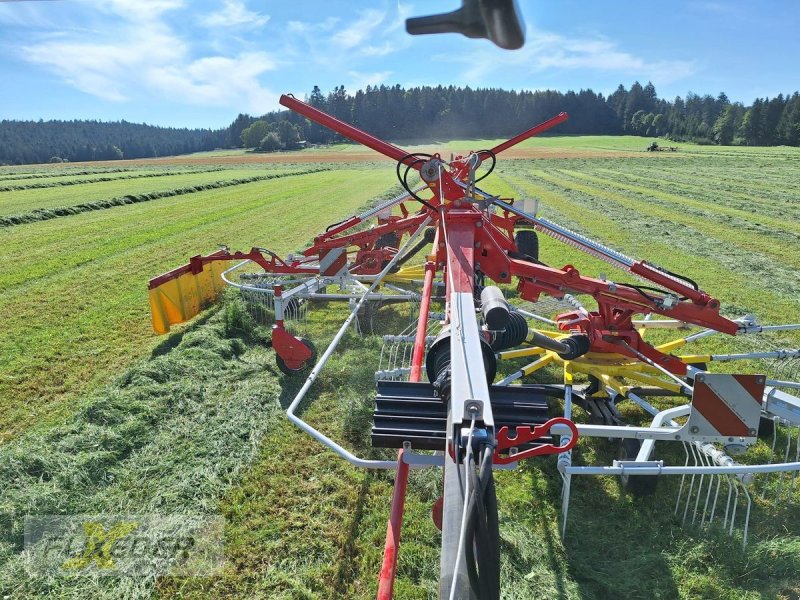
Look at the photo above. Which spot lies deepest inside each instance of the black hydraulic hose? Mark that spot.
(419, 157)
(494, 163)
(691, 282)
(482, 535)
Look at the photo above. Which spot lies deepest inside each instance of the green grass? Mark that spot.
(22, 201)
(74, 301)
(99, 416)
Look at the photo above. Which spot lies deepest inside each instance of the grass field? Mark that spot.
(99, 416)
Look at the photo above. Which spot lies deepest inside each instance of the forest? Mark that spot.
(423, 113)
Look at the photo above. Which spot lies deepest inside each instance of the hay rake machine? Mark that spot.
(438, 401)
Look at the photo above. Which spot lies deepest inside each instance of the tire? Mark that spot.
(527, 243)
(304, 367)
(637, 485)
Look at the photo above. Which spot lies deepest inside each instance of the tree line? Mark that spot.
(423, 114)
(25, 142)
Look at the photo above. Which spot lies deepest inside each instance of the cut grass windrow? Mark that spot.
(24, 201)
(771, 295)
(756, 201)
(697, 208)
(12, 187)
(759, 241)
(44, 214)
(51, 173)
(74, 300)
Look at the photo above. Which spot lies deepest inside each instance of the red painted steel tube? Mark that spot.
(419, 342)
(347, 130)
(535, 130)
(392, 545)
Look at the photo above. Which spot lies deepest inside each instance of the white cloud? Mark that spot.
(137, 10)
(361, 30)
(234, 14)
(106, 69)
(135, 52)
(549, 51)
(218, 81)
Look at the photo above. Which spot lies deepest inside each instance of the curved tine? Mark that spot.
(683, 477)
(746, 516)
(700, 455)
(796, 459)
(728, 503)
(565, 493)
(708, 493)
(735, 505)
(691, 485)
(716, 497)
(775, 421)
(781, 478)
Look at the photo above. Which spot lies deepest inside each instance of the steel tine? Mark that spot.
(728, 503)
(683, 477)
(708, 494)
(796, 459)
(775, 421)
(781, 478)
(699, 487)
(691, 486)
(746, 517)
(716, 497)
(735, 506)
(565, 493)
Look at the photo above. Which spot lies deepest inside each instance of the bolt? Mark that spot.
(753, 432)
(479, 224)
(503, 274)
(694, 429)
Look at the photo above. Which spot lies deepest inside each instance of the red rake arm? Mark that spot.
(347, 130)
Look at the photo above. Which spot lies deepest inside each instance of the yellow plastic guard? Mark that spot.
(407, 274)
(179, 295)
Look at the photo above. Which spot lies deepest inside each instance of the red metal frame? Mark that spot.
(479, 241)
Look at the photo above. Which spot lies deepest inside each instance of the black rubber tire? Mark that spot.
(527, 243)
(305, 366)
(638, 485)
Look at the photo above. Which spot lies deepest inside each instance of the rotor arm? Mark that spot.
(529, 133)
(347, 130)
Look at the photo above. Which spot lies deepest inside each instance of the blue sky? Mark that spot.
(200, 63)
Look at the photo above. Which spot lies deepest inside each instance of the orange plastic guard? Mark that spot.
(177, 296)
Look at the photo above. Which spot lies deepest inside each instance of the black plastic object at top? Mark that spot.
(495, 20)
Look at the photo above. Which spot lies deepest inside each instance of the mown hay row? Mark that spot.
(49, 184)
(44, 214)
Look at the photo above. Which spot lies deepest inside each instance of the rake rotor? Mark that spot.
(573, 341)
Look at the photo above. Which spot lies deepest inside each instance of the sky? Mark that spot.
(198, 63)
